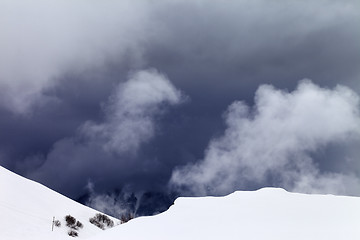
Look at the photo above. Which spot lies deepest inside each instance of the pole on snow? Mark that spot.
(53, 222)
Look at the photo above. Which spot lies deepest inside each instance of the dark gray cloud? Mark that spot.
(106, 152)
(62, 61)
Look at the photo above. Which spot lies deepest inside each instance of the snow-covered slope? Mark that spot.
(264, 214)
(27, 209)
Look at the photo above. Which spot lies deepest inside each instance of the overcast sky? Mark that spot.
(198, 97)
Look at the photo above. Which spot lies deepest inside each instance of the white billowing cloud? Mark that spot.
(275, 139)
(132, 110)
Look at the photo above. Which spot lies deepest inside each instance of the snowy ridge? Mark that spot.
(268, 213)
(27, 209)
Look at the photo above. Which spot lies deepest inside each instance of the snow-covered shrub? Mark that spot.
(126, 217)
(70, 220)
(73, 233)
(102, 221)
(79, 224)
(72, 223)
(57, 223)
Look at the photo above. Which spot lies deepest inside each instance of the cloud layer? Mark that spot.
(271, 143)
(77, 106)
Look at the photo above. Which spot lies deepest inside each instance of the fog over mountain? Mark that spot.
(113, 102)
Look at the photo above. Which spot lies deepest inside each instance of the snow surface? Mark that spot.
(268, 213)
(27, 209)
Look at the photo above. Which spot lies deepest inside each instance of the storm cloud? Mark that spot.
(46, 39)
(207, 41)
(129, 95)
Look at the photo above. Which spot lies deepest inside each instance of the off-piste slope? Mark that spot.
(268, 213)
(27, 209)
